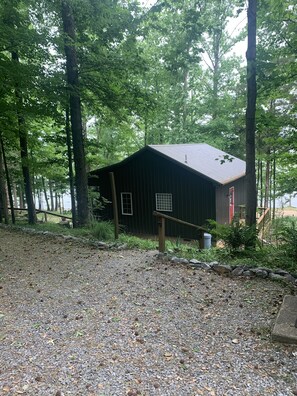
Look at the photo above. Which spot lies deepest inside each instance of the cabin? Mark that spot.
(191, 182)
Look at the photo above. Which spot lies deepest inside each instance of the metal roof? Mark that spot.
(204, 159)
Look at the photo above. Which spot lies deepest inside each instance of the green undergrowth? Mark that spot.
(277, 255)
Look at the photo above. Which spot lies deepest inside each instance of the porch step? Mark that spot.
(285, 328)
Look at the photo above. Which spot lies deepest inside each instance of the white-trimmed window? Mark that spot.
(164, 202)
(126, 203)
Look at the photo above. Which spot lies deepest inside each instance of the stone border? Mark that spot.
(66, 238)
(236, 270)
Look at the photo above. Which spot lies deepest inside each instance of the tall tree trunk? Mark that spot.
(267, 184)
(21, 196)
(81, 179)
(45, 193)
(274, 183)
(24, 150)
(15, 196)
(70, 169)
(8, 181)
(251, 191)
(50, 186)
(3, 195)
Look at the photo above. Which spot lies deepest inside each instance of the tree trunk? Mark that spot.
(81, 179)
(45, 194)
(3, 196)
(70, 169)
(251, 191)
(267, 184)
(50, 186)
(8, 182)
(21, 196)
(274, 184)
(24, 151)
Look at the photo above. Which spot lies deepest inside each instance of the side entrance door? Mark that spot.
(231, 204)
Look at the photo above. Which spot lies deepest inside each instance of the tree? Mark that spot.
(81, 179)
(251, 192)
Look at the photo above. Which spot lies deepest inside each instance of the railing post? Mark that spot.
(161, 232)
(201, 239)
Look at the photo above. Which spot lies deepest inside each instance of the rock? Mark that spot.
(289, 278)
(280, 271)
(276, 277)
(222, 269)
(260, 273)
(184, 261)
(238, 271)
(194, 261)
(247, 273)
(175, 259)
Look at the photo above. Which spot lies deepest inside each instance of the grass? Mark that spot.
(272, 255)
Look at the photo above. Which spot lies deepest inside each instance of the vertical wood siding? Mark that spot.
(193, 197)
(222, 199)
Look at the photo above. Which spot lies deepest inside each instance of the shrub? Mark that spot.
(102, 230)
(236, 235)
(287, 236)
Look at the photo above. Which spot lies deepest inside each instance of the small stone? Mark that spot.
(235, 341)
(276, 277)
(222, 269)
(38, 378)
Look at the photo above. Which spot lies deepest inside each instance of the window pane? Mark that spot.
(164, 202)
(126, 203)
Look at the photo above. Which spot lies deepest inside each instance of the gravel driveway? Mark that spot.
(78, 321)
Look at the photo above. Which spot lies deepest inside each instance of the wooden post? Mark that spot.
(114, 205)
(161, 231)
(201, 239)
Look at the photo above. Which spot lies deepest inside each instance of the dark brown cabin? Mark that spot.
(192, 182)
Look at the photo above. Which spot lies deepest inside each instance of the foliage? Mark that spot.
(287, 236)
(134, 242)
(236, 235)
(102, 230)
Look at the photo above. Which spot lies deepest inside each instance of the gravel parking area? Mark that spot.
(75, 320)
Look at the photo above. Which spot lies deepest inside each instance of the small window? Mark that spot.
(164, 202)
(126, 203)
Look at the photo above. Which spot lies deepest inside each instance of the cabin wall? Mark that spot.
(193, 197)
(222, 199)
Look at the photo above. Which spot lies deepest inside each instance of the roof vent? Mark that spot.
(186, 159)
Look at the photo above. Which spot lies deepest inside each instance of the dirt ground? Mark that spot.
(77, 321)
(289, 211)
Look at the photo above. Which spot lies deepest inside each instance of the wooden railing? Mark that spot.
(161, 218)
(262, 221)
(45, 212)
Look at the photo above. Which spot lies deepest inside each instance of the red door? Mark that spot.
(231, 204)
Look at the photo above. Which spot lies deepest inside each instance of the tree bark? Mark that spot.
(45, 194)
(70, 169)
(24, 150)
(3, 195)
(81, 179)
(8, 182)
(251, 191)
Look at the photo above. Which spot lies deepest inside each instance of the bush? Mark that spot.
(287, 236)
(102, 230)
(236, 235)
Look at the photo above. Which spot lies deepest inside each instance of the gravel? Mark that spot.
(75, 320)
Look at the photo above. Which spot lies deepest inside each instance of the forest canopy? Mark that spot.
(85, 83)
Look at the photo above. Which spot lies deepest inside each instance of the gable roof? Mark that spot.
(200, 158)
(204, 159)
